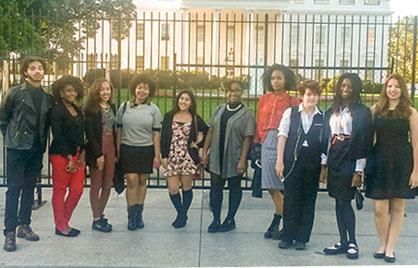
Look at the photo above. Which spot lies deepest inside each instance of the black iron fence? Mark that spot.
(201, 50)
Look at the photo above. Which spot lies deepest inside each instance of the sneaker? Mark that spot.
(101, 225)
(227, 225)
(352, 251)
(10, 242)
(24, 231)
(214, 227)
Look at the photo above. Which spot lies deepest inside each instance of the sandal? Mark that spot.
(352, 251)
(338, 248)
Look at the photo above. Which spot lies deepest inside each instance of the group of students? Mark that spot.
(300, 146)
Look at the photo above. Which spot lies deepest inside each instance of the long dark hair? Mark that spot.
(93, 96)
(289, 77)
(355, 95)
(403, 109)
(192, 108)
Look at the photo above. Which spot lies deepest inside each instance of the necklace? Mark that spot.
(233, 109)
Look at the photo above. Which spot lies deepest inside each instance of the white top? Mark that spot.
(342, 124)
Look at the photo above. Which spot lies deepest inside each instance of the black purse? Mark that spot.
(358, 196)
(118, 179)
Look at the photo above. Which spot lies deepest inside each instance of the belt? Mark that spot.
(340, 137)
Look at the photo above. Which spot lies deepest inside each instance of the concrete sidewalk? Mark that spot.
(160, 245)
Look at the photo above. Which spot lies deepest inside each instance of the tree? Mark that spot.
(49, 28)
(401, 47)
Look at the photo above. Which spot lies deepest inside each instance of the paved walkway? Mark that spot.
(160, 245)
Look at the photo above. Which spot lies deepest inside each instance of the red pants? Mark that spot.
(67, 189)
(101, 180)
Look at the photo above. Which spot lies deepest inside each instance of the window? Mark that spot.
(200, 33)
(164, 62)
(139, 63)
(114, 61)
(370, 70)
(115, 30)
(165, 32)
(91, 61)
(346, 36)
(372, 2)
(370, 36)
(321, 2)
(319, 72)
(294, 35)
(344, 63)
(320, 34)
(199, 60)
(260, 34)
(294, 62)
(346, 2)
(140, 31)
(231, 35)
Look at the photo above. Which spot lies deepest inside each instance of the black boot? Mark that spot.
(176, 200)
(131, 218)
(274, 226)
(187, 201)
(139, 222)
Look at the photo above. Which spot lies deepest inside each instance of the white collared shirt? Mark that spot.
(304, 116)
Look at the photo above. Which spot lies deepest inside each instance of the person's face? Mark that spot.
(142, 92)
(35, 72)
(393, 89)
(185, 102)
(310, 99)
(278, 81)
(234, 94)
(346, 88)
(69, 94)
(105, 92)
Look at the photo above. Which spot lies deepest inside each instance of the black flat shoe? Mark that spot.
(390, 259)
(227, 225)
(214, 227)
(378, 255)
(300, 246)
(338, 248)
(72, 233)
(285, 244)
(352, 251)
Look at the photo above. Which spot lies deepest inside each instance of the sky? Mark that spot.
(404, 7)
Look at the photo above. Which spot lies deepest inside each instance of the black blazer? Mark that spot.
(67, 131)
(94, 134)
(167, 132)
(362, 131)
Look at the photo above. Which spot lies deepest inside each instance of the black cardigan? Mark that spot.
(362, 131)
(167, 132)
(67, 131)
(94, 134)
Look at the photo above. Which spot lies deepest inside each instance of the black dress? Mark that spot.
(391, 164)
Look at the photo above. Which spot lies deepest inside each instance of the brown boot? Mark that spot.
(10, 242)
(24, 231)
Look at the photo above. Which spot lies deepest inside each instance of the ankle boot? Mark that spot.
(131, 218)
(139, 222)
(273, 226)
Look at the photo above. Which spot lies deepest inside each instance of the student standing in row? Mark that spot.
(23, 122)
(394, 164)
(276, 80)
(182, 133)
(101, 148)
(301, 142)
(67, 152)
(138, 141)
(231, 130)
(349, 132)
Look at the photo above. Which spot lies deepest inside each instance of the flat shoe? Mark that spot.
(72, 233)
(378, 255)
(352, 251)
(338, 248)
(390, 259)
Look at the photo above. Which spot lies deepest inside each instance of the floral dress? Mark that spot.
(179, 160)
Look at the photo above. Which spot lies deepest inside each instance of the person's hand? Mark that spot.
(100, 162)
(164, 162)
(241, 167)
(279, 168)
(71, 167)
(356, 180)
(323, 177)
(156, 162)
(413, 180)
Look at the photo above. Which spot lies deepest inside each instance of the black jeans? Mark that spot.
(216, 195)
(23, 170)
(301, 189)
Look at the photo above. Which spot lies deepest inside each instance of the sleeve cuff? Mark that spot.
(360, 164)
(324, 159)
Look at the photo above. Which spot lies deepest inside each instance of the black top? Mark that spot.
(224, 121)
(167, 132)
(94, 134)
(67, 130)
(37, 95)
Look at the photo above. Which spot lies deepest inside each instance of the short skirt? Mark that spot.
(136, 159)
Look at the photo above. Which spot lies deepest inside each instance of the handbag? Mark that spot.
(196, 158)
(118, 179)
(358, 196)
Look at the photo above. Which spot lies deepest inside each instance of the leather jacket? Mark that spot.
(19, 118)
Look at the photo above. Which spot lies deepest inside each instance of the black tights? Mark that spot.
(346, 220)
(216, 196)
